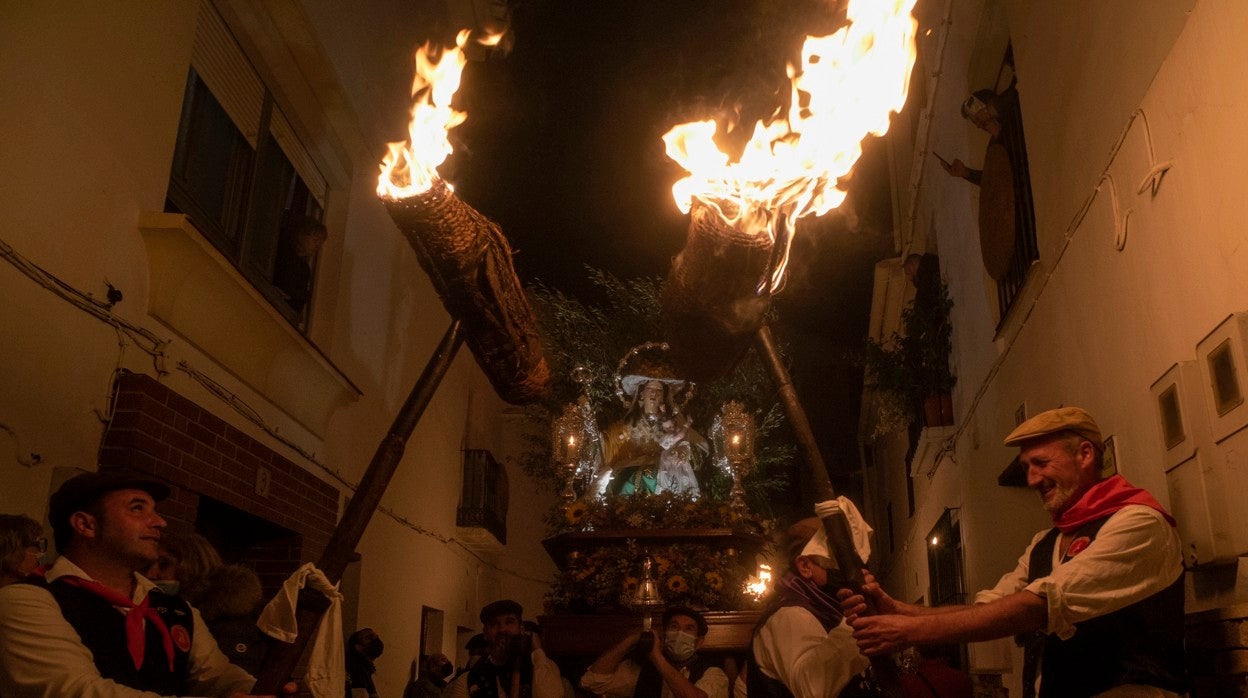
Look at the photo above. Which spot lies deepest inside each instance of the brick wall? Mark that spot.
(157, 431)
(1217, 652)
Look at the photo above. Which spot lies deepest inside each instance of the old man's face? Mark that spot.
(1059, 468)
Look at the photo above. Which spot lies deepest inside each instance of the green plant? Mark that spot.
(914, 364)
(928, 340)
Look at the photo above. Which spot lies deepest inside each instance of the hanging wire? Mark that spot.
(155, 346)
(1151, 180)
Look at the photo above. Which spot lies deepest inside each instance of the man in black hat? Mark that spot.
(97, 627)
(1100, 593)
(364, 647)
(514, 664)
(476, 648)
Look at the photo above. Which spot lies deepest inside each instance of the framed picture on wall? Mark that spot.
(1223, 360)
(1109, 466)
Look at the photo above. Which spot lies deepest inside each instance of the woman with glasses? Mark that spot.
(21, 546)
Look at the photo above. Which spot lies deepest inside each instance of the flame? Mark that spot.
(757, 585)
(410, 168)
(846, 86)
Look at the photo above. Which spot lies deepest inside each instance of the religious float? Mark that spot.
(653, 512)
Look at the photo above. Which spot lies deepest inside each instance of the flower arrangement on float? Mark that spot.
(665, 510)
(703, 576)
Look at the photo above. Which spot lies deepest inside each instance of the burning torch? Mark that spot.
(743, 214)
(469, 262)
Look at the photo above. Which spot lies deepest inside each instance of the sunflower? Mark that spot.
(677, 584)
(575, 512)
(663, 563)
(714, 580)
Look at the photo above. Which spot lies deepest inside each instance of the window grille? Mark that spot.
(1026, 250)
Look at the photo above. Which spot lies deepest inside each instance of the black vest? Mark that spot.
(650, 681)
(759, 685)
(1139, 644)
(103, 631)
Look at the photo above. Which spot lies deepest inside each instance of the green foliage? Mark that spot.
(914, 364)
(928, 340)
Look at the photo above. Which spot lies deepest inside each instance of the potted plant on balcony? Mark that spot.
(890, 406)
(926, 346)
(911, 368)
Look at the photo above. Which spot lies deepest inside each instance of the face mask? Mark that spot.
(830, 587)
(679, 644)
(168, 586)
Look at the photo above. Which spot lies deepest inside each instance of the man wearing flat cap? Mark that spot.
(94, 626)
(514, 665)
(1100, 593)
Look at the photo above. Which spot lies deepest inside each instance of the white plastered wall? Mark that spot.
(92, 96)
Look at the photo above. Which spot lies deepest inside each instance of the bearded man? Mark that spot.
(1100, 593)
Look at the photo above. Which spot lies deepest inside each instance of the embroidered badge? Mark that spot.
(1077, 546)
(181, 638)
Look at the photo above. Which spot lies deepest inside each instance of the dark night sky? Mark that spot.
(562, 148)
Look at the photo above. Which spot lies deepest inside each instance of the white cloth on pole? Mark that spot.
(858, 528)
(327, 671)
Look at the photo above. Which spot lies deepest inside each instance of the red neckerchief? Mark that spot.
(1104, 498)
(135, 639)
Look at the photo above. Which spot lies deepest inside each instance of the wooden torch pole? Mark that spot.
(283, 657)
(836, 525)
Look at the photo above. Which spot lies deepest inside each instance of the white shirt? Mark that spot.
(623, 681)
(41, 654)
(547, 681)
(1135, 554)
(793, 647)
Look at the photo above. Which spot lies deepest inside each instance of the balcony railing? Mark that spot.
(483, 502)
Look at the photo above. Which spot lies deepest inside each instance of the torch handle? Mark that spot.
(841, 545)
(280, 663)
(836, 526)
(815, 476)
(884, 672)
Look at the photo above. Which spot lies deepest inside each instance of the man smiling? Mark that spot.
(96, 627)
(1101, 593)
